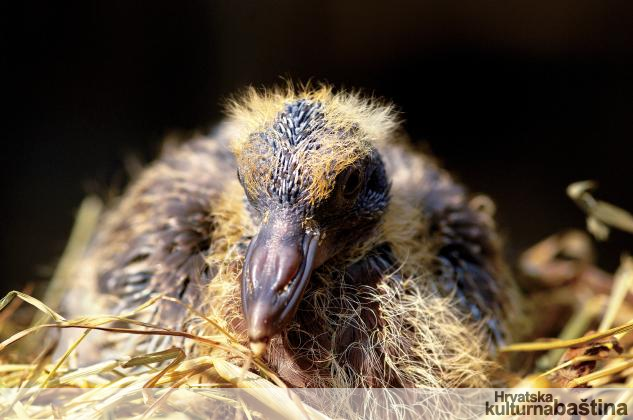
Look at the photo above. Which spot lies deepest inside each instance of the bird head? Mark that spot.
(315, 183)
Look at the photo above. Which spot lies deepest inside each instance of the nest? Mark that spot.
(588, 310)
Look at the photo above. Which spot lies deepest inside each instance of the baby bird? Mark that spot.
(308, 227)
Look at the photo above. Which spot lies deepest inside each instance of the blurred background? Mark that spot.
(518, 99)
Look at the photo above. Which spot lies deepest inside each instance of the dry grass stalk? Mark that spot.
(586, 358)
(115, 380)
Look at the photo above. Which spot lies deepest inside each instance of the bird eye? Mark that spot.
(352, 184)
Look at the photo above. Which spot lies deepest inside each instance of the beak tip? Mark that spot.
(258, 348)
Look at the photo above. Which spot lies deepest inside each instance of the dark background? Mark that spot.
(517, 98)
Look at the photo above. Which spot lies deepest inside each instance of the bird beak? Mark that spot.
(277, 268)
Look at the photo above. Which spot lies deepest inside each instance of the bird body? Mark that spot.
(342, 254)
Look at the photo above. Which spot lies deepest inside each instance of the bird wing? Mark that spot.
(468, 254)
(155, 241)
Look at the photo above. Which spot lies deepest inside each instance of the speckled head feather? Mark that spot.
(303, 138)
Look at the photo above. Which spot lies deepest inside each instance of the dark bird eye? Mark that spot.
(352, 184)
